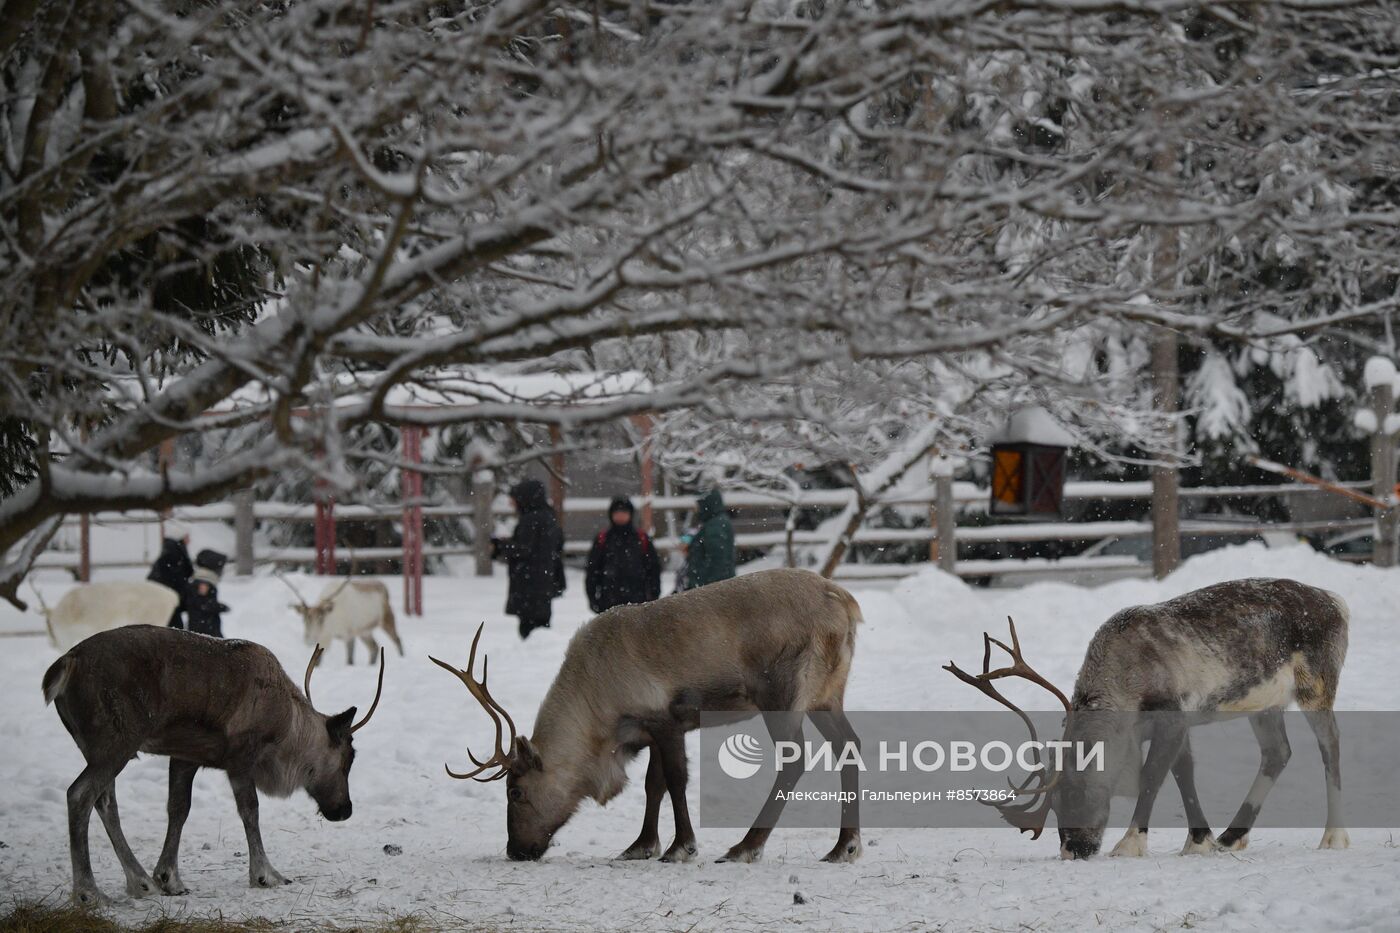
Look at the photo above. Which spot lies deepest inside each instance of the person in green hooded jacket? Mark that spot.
(711, 553)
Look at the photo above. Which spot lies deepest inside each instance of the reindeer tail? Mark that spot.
(56, 678)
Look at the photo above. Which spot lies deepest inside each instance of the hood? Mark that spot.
(709, 505)
(621, 504)
(529, 494)
(173, 549)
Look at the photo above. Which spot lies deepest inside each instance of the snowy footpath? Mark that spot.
(447, 838)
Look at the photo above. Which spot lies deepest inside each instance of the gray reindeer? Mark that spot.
(206, 703)
(636, 677)
(1243, 647)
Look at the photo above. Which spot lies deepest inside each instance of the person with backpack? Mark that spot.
(534, 556)
(172, 569)
(202, 606)
(622, 564)
(710, 556)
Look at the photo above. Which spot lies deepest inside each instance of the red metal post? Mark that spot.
(557, 487)
(411, 442)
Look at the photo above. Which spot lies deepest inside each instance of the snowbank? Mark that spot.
(452, 834)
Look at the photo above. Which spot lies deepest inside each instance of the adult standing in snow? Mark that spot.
(202, 604)
(622, 564)
(173, 568)
(710, 556)
(534, 556)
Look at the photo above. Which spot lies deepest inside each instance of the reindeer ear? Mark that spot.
(526, 758)
(339, 725)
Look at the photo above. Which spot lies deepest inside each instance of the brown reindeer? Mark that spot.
(1247, 646)
(207, 703)
(638, 676)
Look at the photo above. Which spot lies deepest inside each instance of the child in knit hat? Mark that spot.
(202, 606)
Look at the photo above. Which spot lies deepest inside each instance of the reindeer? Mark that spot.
(207, 703)
(638, 676)
(1243, 647)
(349, 610)
(96, 607)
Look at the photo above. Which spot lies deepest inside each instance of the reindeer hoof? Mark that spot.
(681, 852)
(141, 887)
(1232, 842)
(847, 851)
(91, 898)
(1206, 846)
(1335, 839)
(741, 854)
(267, 879)
(640, 850)
(1132, 845)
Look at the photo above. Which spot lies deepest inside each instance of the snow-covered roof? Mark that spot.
(1033, 425)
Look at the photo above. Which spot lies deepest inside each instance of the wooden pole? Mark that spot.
(556, 473)
(85, 548)
(946, 522)
(483, 493)
(1387, 550)
(1166, 514)
(643, 423)
(243, 524)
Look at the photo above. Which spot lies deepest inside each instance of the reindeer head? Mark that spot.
(327, 761)
(538, 800)
(313, 617)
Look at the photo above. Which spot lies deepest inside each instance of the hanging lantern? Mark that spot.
(1028, 465)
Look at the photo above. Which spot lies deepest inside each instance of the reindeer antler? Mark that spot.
(1027, 817)
(295, 592)
(477, 688)
(378, 690)
(43, 606)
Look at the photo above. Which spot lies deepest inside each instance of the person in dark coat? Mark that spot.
(622, 564)
(172, 568)
(710, 556)
(534, 557)
(202, 604)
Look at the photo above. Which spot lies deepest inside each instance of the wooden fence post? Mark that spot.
(945, 521)
(483, 495)
(1387, 548)
(243, 521)
(85, 548)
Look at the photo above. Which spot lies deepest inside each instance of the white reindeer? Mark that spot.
(348, 610)
(98, 607)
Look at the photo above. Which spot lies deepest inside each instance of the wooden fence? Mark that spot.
(965, 498)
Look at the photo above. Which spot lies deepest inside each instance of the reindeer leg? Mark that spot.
(138, 883)
(261, 874)
(82, 797)
(372, 647)
(177, 810)
(648, 844)
(783, 727)
(1168, 736)
(834, 725)
(673, 766)
(1324, 726)
(350, 651)
(1274, 752)
(1198, 837)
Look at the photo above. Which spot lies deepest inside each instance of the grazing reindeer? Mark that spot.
(638, 676)
(1247, 646)
(207, 703)
(348, 610)
(96, 607)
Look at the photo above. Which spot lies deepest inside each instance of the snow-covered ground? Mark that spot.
(452, 834)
